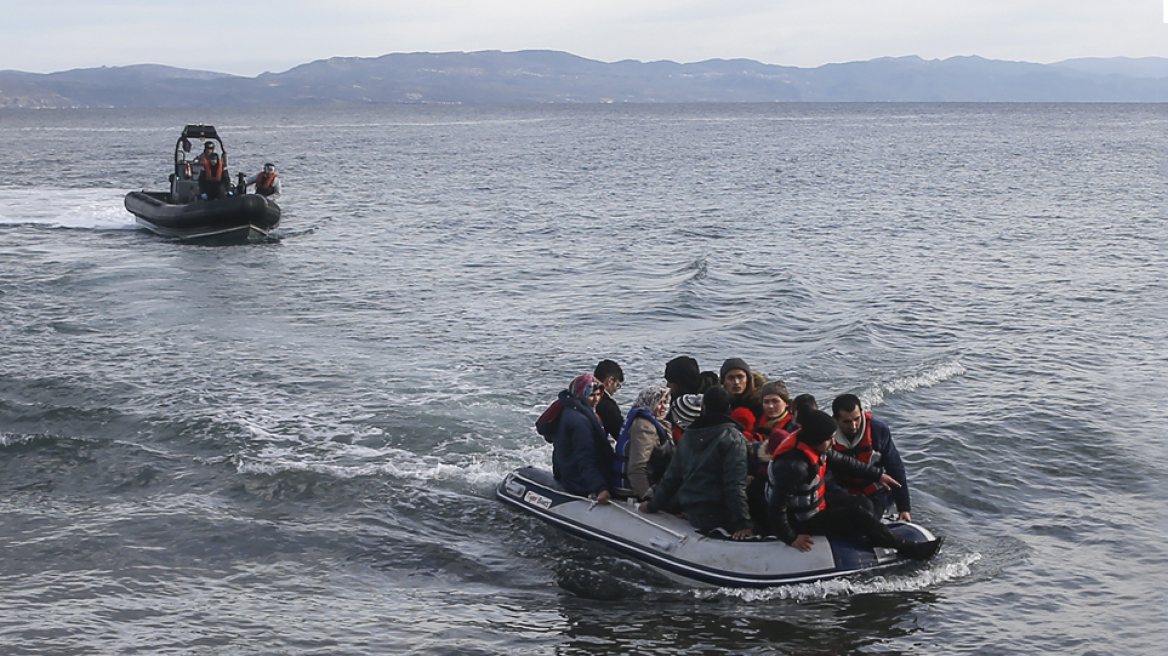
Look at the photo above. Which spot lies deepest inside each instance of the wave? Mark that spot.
(930, 376)
(89, 209)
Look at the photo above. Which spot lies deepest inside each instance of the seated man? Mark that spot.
(869, 440)
(743, 385)
(707, 477)
(798, 507)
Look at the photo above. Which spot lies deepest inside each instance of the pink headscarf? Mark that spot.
(582, 386)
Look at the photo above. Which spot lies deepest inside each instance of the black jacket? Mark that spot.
(610, 416)
(708, 473)
(790, 471)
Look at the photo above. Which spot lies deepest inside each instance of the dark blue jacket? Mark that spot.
(581, 456)
(892, 464)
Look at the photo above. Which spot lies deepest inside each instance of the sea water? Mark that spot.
(291, 447)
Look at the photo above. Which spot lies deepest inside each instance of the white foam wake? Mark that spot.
(937, 572)
(93, 209)
(353, 461)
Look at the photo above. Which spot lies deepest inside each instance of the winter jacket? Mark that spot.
(581, 455)
(882, 452)
(708, 473)
(610, 415)
(643, 452)
(793, 478)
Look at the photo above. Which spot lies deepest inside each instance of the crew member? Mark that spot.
(266, 182)
(213, 178)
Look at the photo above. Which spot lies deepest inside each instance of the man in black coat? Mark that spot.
(609, 374)
(707, 477)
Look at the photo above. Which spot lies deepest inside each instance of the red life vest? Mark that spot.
(809, 498)
(214, 171)
(264, 182)
(782, 429)
(863, 452)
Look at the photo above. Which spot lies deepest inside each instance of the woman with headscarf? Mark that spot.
(581, 454)
(645, 444)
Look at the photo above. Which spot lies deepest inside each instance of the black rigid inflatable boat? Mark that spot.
(184, 213)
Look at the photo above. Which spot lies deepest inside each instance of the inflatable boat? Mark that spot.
(184, 213)
(674, 547)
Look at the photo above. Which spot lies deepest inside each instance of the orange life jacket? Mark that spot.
(863, 452)
(264, 182)
(213, 170)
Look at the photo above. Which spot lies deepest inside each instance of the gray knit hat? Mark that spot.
(686, 409)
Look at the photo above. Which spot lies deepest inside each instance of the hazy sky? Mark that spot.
(248, 37)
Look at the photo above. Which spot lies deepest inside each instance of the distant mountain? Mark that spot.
(1145, 67)
(540, 76)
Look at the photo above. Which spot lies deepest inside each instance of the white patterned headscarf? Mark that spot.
(649, 397)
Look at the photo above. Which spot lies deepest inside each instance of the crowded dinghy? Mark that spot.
(673, 546)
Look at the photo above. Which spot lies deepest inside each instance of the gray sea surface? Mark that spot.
(291, 447)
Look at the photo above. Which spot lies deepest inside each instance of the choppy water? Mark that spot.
(290, 448)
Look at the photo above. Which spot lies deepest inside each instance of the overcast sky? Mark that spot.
(248, 37)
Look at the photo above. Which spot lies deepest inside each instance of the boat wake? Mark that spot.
(78, 209)
(345, 461)
(928, 577)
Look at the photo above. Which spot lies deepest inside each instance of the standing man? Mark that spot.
(869, 440)
(707, 477)
(609, 374)
(214, 176)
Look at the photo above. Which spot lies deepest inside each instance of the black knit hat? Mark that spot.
(731, 365)
(716, 401)
(683, 370)
(816, 428)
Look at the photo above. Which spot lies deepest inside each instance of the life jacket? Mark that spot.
(213, 171)
(774, 430)
(620, 464)
(863, 452)
(786, 423)
(265, 182)
(809, 494)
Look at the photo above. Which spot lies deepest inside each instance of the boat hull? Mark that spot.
(232, 219)
(674, 547)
